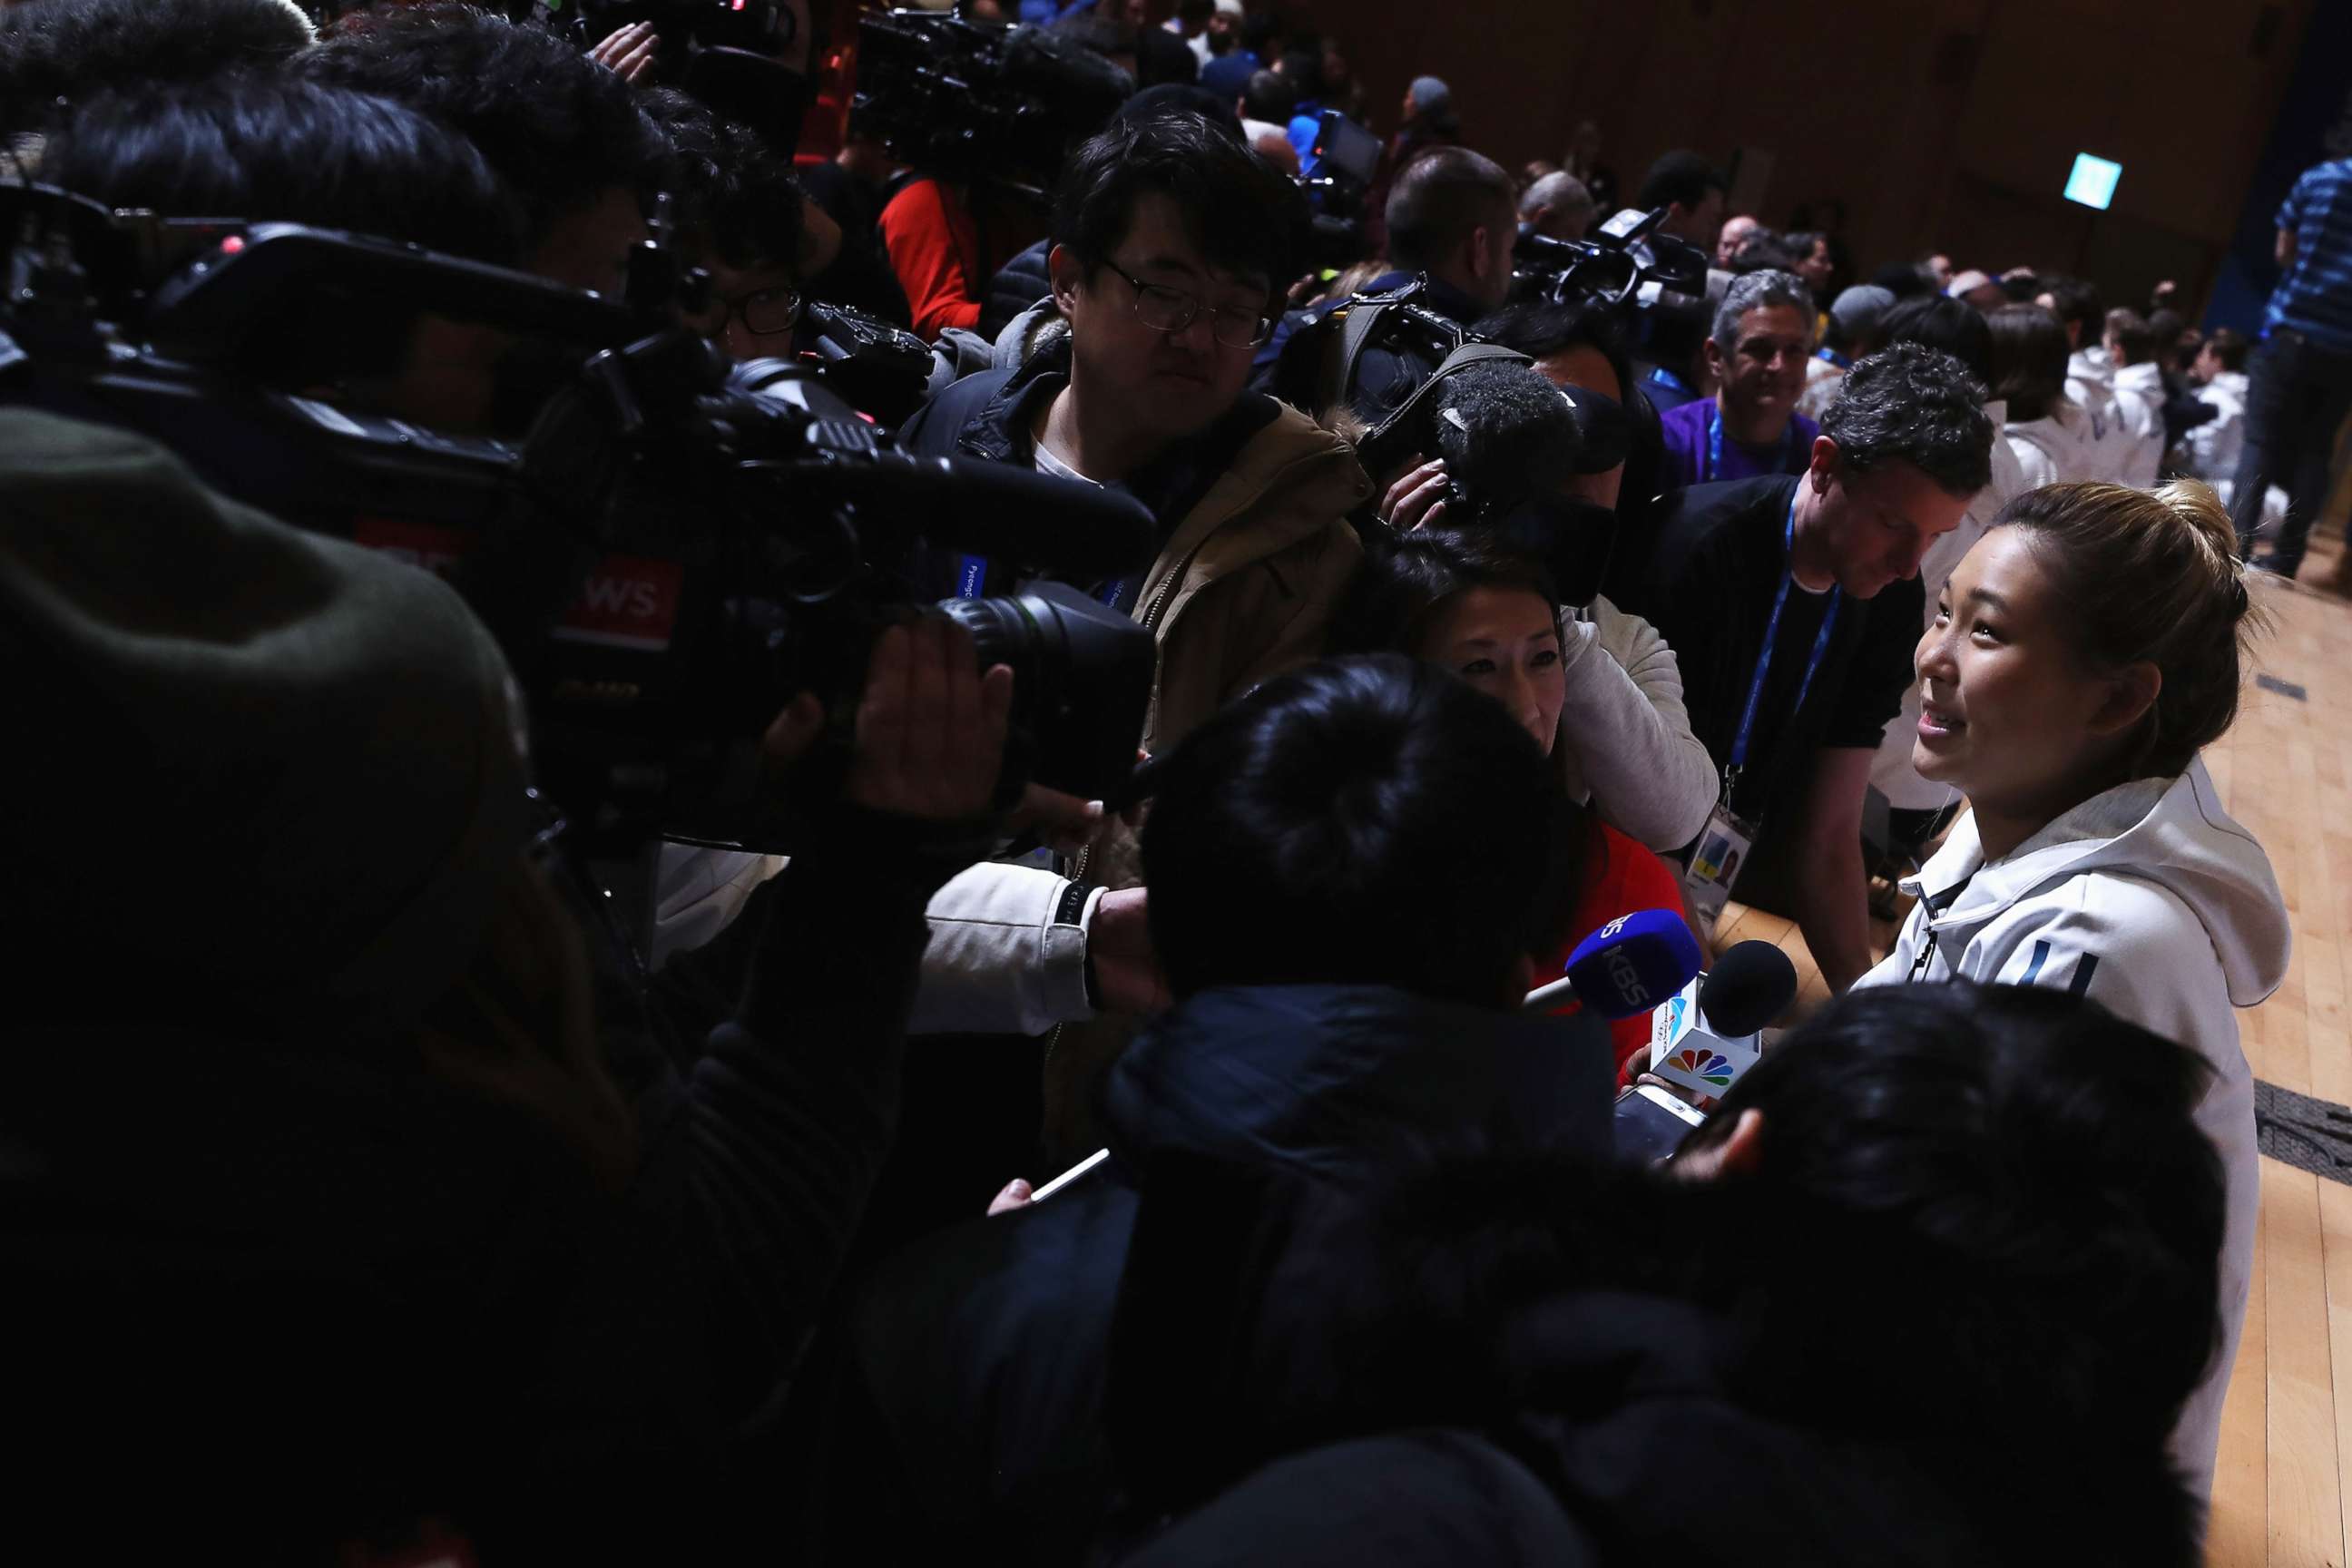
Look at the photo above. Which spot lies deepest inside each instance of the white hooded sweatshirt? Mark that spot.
(2139, 408)
(2048, 451)
(2214, 445)
(2151, 902)
(2098, 422)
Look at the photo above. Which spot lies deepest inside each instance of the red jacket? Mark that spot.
(1621, 875)
(935, 250)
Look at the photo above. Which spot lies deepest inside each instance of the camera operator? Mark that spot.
(1171, 239)
(736, 171)
(564, 134)
(1453, 218)
(1769, 590)
(282, 147)
(738, 216)
(1624, 739)
(1009, 955)
(1757, 353)
(353, 1161)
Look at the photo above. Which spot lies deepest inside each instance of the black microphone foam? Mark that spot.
(1751, 985)
(1504, 430)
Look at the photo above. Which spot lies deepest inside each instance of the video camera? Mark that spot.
(965, 100)
(1626, 263)
(676, 547)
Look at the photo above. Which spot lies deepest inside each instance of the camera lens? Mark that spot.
(1081, 676)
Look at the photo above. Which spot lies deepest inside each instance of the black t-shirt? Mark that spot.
(1707, 578)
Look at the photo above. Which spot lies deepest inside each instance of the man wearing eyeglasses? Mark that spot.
(1170, 240)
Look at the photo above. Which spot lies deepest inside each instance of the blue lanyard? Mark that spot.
(1665, 377)
(1830, 356)
(1715, 444)
(1764, 660)
(972, 581)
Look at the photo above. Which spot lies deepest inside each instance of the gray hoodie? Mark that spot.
(2151, 902)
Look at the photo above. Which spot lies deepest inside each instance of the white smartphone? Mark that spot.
(1650, 1124)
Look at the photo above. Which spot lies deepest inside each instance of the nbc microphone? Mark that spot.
(1632, 964)
(1713, 1029)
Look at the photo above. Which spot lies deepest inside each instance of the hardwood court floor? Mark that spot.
(2283, 1497)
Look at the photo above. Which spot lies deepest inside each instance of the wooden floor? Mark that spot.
(2283, 1497)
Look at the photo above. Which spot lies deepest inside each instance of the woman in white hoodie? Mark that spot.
(2081, 656)
(2028, 372)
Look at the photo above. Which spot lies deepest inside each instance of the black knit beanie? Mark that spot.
(253, 776)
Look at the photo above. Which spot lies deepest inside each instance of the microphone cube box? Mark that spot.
(1684, 1052)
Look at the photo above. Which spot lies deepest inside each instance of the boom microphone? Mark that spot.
(1630, 966)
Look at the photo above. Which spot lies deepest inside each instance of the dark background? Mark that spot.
(1950, 124)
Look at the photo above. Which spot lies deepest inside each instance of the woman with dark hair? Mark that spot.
(1507, 434)
(2081, 656)
(2028, 370)
(1468, 601)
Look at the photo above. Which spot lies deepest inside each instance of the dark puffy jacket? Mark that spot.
(1492, 1360)
(983, 1351)
(1018, 284)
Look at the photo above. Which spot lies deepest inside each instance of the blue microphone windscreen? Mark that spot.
(1634, 963)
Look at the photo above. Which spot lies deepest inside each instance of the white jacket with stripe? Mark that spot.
(2151, 900)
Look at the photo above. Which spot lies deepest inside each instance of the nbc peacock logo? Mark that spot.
(1709, 1067)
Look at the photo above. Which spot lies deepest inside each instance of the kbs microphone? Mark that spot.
(1714, 1029)
(1628, 966)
